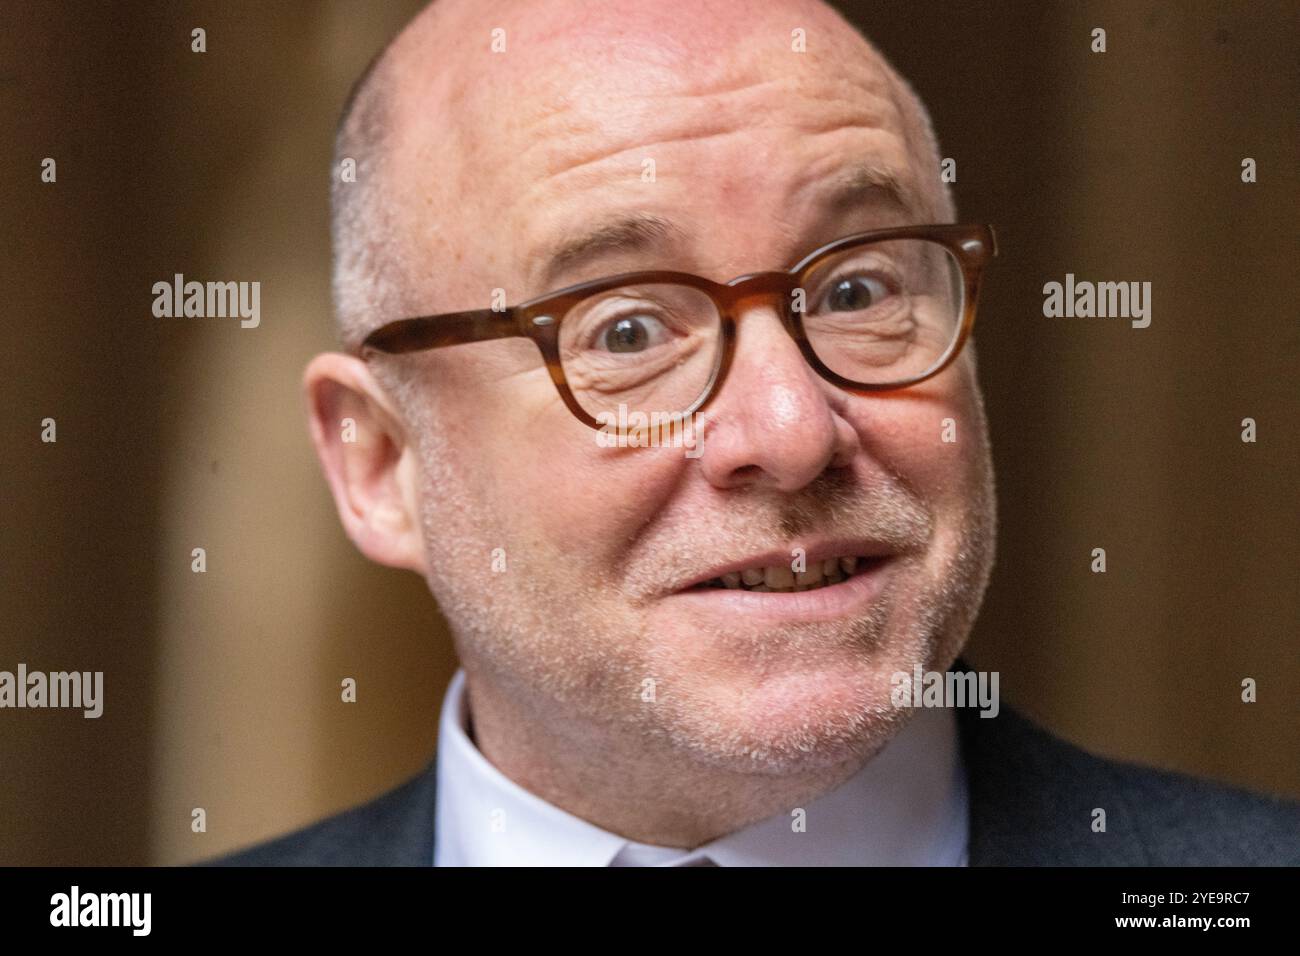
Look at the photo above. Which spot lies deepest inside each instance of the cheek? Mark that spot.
(593, 502)
(934, 436)
(553, 489)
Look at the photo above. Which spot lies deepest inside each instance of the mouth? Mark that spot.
(783, 579)
(840, 581)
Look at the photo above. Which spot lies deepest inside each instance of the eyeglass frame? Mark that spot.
(539, 319)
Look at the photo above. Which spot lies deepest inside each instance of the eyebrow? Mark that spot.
(633, 233)
(870, 182)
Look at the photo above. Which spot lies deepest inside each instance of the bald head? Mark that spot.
(459, 118)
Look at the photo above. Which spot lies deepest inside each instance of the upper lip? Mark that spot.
(813, 553)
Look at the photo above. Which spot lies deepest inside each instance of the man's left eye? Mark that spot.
(633, 333)
(855, 293)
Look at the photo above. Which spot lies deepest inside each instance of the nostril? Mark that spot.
(746, 474)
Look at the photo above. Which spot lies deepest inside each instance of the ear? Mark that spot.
(367, 460)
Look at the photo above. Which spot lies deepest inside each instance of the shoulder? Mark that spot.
(1035, 797)
(1188, 821)
(395, 829)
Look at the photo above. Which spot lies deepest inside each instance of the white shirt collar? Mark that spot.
(906, 807)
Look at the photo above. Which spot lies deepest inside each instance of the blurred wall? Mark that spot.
(223, 688)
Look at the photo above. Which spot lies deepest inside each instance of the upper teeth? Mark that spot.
(781, 577)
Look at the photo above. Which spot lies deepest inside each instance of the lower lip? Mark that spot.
(828, 603)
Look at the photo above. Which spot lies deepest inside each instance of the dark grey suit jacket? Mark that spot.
(1031, 802)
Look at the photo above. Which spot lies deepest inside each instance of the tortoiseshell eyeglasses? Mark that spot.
(871, 312)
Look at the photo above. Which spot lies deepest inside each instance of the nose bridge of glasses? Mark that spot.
(760, 287)
(774, 290)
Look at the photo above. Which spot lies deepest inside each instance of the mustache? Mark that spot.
(836, 505)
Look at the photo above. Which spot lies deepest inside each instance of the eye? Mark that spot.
(632, 333)
(855, 293)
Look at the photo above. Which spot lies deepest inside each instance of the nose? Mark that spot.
(775, 422)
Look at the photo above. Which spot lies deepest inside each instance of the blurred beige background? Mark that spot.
(222, 689)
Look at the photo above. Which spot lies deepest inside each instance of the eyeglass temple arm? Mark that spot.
(438, 331)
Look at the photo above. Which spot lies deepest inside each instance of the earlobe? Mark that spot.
(368, 462)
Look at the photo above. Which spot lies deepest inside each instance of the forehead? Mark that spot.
(569, 122)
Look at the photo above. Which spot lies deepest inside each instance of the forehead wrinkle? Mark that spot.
(572, 171)
(621, 127)
(863, 176)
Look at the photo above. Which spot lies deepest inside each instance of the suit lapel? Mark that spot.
(1033, 797)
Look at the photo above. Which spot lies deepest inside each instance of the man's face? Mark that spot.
(595, 615)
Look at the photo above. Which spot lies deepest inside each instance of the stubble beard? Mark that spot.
(562, 647)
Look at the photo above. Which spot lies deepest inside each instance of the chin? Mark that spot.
(788, 715)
